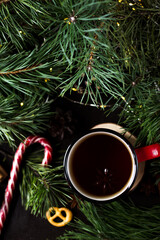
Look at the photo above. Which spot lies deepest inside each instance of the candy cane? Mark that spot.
(15, 168)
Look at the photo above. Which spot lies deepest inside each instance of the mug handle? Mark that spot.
(148, 152)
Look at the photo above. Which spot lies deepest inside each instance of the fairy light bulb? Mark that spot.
(72, 19)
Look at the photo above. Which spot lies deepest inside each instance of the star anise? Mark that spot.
(103, 180)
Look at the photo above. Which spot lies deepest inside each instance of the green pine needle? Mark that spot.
(115, 221)
(43, 187)
(23, 116)
(142, 119)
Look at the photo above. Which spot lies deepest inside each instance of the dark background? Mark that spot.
(73, 119)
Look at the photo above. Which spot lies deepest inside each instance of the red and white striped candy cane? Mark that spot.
(15, 168)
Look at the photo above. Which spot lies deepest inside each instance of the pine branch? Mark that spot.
(91, 59)
(18, 71)
(101, 49)
(27, 72)
(142, 119)
(83, 37)
(21, 21)
(117, 220)
(43, 187)
(136, 34)
(23, 117)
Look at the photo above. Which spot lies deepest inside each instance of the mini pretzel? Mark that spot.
(58, 214)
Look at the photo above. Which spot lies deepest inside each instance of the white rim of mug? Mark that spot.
(128, 184)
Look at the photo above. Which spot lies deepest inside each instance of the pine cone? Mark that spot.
(62, 124)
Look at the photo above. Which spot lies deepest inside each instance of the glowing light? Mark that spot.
(123, 98)
(103, 106)
(74, 89)
(46, 80)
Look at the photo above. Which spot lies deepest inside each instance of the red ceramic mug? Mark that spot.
(102, 165)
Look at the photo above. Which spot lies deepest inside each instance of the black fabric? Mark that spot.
(21, 224)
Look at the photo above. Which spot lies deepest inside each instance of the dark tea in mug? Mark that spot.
(100, 165)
